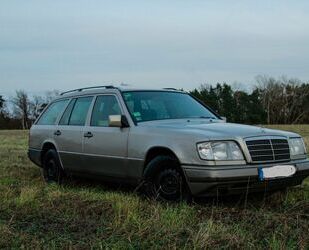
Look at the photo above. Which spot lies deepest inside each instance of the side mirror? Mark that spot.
(223, 118)
(119, 121)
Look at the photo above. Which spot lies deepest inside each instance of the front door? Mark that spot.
(105, 148)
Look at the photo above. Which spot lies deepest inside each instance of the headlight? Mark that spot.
(297, 146)
(220, 151)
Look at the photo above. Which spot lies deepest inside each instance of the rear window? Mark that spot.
(49, 117)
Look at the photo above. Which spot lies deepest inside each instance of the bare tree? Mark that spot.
(36, 104)
(2, 102)
(50, 95)
(285, 100)
(22, 105)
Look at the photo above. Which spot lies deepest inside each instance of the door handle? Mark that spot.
(88, 135)
(58, 132)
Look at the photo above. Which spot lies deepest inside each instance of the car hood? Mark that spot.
(218, 129)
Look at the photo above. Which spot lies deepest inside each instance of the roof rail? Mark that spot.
(172, 89)
(95, 87)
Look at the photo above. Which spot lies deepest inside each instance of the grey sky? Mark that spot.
(68, 44)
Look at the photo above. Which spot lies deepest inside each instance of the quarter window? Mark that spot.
(80, 111)
(104, 107)
(49, 117)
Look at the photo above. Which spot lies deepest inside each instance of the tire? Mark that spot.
(52, 169)
(165, 180)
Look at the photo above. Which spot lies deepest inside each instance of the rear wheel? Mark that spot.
(52, 170)
(166, 180)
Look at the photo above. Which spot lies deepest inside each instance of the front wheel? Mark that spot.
(167, 180)
(52, 170)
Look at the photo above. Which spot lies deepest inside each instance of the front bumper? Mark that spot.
(223, 180)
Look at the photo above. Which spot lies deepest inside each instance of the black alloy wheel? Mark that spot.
(52, 170)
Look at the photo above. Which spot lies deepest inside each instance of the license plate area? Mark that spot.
(274, 172)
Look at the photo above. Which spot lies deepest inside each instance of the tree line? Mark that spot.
(272, 101)
(20, 111)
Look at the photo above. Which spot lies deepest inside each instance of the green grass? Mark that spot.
(84, 214)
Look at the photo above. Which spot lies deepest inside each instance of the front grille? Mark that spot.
(269, 150)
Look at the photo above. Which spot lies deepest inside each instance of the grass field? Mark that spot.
(84, 214)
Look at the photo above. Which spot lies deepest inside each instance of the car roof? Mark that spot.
(107, 89)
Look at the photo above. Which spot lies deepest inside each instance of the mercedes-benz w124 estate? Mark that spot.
(165, 138)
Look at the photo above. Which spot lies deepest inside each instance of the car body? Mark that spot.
(212, 156)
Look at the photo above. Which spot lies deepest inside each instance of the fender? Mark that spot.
(152, 167)
(56, 147)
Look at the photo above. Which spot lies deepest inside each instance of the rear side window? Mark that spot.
(104, 107)
(49, 117)
(67, 113)
(80, 111)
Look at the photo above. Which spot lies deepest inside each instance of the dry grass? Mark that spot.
(84, 215)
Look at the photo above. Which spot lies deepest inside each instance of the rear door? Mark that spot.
(44, 128)
(69, 133)
(105, 148)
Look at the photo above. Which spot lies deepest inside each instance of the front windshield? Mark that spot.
(160, 105)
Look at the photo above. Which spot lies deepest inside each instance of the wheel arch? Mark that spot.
(154, 152)
(47, 145)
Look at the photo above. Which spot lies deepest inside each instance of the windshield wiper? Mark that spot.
(201, 117)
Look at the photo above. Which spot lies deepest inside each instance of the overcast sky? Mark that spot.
(65, 44)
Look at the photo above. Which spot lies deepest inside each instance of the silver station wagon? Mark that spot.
(163, 140)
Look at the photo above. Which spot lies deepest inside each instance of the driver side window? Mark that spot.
(104, 107)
